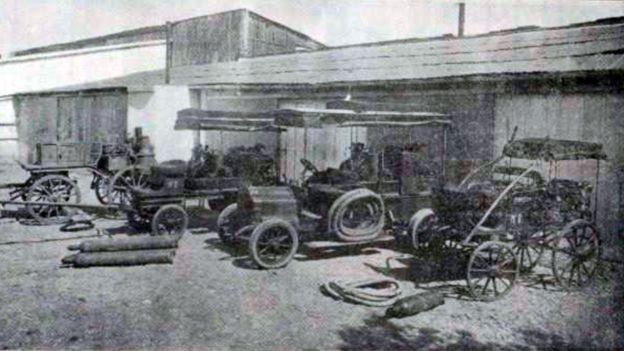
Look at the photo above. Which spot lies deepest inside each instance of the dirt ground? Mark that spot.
(212, 297)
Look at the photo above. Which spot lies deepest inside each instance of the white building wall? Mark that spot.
(8, 130)
(156, 113)
(61, 69)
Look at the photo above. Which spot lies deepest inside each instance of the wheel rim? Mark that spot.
(492, 271)
(101, 189)
(131, 178)
(528, 250)
(274, 245)
(575, 255)
(58, 189)
(170, 221)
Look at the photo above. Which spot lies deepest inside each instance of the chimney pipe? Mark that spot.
(168, 52)
(462, 19)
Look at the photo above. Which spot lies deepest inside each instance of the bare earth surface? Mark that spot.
(212, 297)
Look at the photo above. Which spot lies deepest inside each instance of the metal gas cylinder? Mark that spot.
(414, 304)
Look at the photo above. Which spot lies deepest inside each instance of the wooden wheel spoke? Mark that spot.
(507, 284)
(487, 282)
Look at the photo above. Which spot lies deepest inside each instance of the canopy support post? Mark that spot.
(596, 190)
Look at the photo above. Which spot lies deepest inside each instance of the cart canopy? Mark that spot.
(318, 118)
(553, 149)
(237, 121)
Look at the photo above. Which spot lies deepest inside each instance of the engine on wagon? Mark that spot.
(178, 173)
(250, 163)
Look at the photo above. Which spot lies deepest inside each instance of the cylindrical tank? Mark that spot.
(414, 304)
(127, 244)
(119, 258)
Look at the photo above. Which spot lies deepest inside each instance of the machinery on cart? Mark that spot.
(505, 215)
(336, 204)
(49, 175)
(165, 190)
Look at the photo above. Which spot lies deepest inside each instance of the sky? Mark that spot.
(30, 23)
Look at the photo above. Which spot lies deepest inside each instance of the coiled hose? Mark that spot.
(370, 292)
(339, 208)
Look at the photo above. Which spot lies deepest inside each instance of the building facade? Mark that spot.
(564, 83)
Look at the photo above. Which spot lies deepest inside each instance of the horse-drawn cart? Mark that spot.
(506, 215)
(49, 176)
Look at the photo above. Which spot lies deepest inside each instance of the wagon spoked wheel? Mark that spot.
(529, 250)
(52, 188)
(492, 271)
(273, 243)
(133, 177)
(575, 254)
(170, 220)
(100, 186)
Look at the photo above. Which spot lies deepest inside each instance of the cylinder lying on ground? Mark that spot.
(414, 304)
(120, 258)
(126, 244)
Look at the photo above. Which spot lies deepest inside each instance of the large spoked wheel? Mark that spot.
(575, 254)
(273, 243)
(529, 249)
(100, 187)
(52, 188)
(357, 215)
(170, 220)
(133, 177)
(492, 271)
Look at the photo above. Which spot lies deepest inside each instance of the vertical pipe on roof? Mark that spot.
(168, 53)
(245, 32)
(462, 19)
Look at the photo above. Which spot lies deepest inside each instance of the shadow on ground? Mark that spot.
(378, 333)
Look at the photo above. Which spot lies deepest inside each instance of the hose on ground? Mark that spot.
(369, 292)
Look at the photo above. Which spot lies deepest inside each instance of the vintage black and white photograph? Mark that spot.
(312, 175)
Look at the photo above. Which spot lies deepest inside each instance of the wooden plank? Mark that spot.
(36, 122)
(315, 245)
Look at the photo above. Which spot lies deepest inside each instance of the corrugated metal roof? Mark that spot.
(568, 49)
